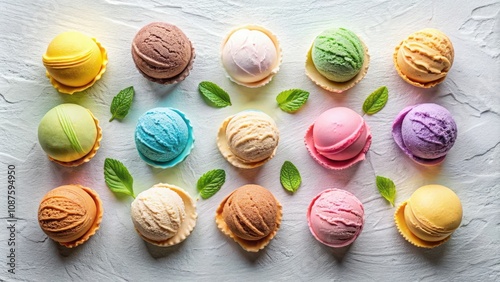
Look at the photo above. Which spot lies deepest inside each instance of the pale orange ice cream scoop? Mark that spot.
(250, 215)
(70, 214)
(74, 61)
(430, 216)
(424, 58)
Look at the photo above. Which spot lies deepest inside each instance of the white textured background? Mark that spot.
(116, 253)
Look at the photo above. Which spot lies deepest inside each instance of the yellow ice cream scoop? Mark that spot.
(430, 216)
(74, 61)
(424, 58)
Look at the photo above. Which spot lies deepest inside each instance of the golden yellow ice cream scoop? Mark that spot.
(74, 61)
(430, 216)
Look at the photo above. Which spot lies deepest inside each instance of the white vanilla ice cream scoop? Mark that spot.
(249, 55)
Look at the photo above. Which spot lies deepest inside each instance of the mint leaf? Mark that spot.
(291, 100)
(290, 177)
(211, 182)
(376, 101)
(214, 95)
(121, 103)
(386, 188)
(118, 178)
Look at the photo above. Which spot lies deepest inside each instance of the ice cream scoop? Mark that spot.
(163, 137)
(248, 139)
(335, 217)
(70, 214)
(425, 132)
(162, 53)
(69, 134)
(338, 138)
(250, 215)
(163, 215)
(430, 216)
(251, 55)
(424, 58)
(74, 61)
(337, 60)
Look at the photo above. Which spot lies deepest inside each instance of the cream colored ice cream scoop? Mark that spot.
(430, 216)
(424, 58)
(248, 139)
(163, 215)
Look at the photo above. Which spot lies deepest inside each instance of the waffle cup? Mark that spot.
(178, 78)
(247, 245)
(63, 88)
(399, 218)
(332, 86)
(331, 164)
(97, 222)
(188, 223)
(90, 154)
(275, 69)
(225, 150)
(407, 79)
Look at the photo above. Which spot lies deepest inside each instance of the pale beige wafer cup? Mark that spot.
(90, 154)
(406, 78)
(332, 86)
(276, 67)
(226, 152)
(188, 223)
(247, 245)
(399, 218)
(66, 89)
(97, 222)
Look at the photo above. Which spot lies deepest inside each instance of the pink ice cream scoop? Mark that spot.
(338, 138)
(335, 217)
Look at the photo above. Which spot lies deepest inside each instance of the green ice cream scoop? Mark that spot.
(67, 132)
(338, 54)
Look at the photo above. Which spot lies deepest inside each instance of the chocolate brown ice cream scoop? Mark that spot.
(162, 53)
(70, 214)
(250, 215)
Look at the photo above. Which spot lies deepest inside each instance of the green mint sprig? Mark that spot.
(376, 101)
(118, 178)
(121, 103)
(214, 95)
(386, 188)
(290, 177)
(292, 100)
(211, 182)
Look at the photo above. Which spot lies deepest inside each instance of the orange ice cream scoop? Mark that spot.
(74, 61)
(424, 58)
(430, 216)
(250, 215)
(70, 214)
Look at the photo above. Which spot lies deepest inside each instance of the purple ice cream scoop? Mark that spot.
(425, 132)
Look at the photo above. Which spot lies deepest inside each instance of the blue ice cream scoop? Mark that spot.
(163, 137)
